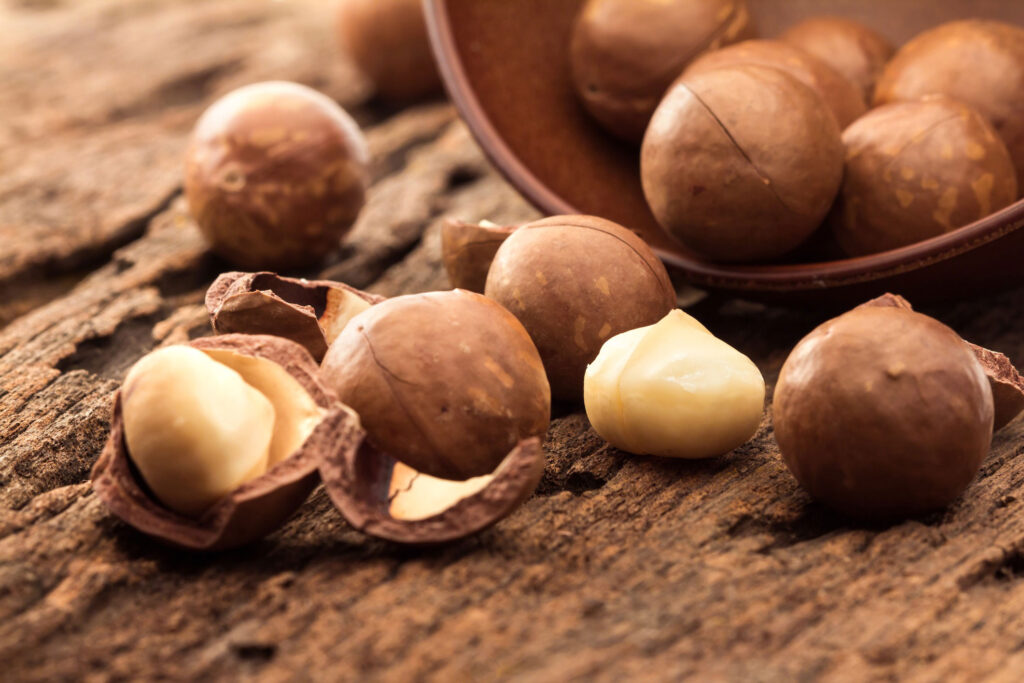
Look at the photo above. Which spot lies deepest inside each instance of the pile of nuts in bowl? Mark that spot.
(424, 415)
(749, 147)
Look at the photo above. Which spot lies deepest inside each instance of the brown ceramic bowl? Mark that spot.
(506, 67)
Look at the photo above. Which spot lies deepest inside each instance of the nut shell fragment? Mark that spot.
(467, 250)
(366, 485)
(258, 506)
(311, 313)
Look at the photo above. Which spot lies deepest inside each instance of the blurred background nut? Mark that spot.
(980, 63)
(217, 443)
(311, 313)
(625, 53)
(574, 282)
(852, 49)
(446, 382)
(387, 40)
(883, 412)
(838, 93)
(275, 175)
(673, 389)
(741, 163)
(915, 170)
(467, 250)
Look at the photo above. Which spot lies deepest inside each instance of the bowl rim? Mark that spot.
(770, 277)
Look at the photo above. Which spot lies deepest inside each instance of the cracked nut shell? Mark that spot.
(258, 506)
(311, 313)
(852, 49)
(387, 40)
(467, 250)
(916, 170)
(980, 63)
(574, 282)
(883, 412)
(275, 175)
(741, 163)
(840, 95)
(625, 54)
(445, 382)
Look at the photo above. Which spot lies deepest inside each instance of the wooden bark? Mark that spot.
(619, 567)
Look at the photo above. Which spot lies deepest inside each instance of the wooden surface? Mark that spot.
(618, 567)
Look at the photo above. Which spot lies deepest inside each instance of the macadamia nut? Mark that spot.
(194, 428)
(673, 389)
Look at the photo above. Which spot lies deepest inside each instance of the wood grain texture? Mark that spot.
(619, 567)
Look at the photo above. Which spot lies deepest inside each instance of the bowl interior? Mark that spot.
(506, 64)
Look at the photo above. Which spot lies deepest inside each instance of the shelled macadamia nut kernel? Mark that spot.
(741, 163)
(673, 389)
(883, 412)
(838, 93)
(387, 40)
(275, 175)
(467, 250)
(980, 63)
(574, 282)
(916, 170)
(217, 443)
(852, 49)
(309, 312)
(624, 54)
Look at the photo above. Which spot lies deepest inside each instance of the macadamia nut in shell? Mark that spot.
(916, 170)
(741, 163)
(574, 282)
(673, 389)
(275, 175)
(883, 412)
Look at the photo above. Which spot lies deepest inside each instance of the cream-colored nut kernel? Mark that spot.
(673, 389)
(195, 429)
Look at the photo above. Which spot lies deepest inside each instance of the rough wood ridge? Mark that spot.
(618, 567)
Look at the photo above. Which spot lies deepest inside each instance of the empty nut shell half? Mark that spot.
(467, 250)
(262, 504)
(311, 313)
(385, 498)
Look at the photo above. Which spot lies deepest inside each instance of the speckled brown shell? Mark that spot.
(1006, 382)
(741, 163)
(358, 484)
(467, 250)
(852, 49)
(266, 303)
(575, 282)
(275, 175)
(625, 53)
(883, 412)
(915, 170)
(841, 96)
(977, 62)
(446, 382)
(387, 40)
(259, 506)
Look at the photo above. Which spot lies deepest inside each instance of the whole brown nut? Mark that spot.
(467, 250)
(445, 382)
(308, 425)
(883, 412)
(842, 97)
(851, 48)
(977, 62)
(387, 40)
(574, 282)
(915, 170)
(275, 175)
(625, 53)
(309, 312)
(741, 163)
